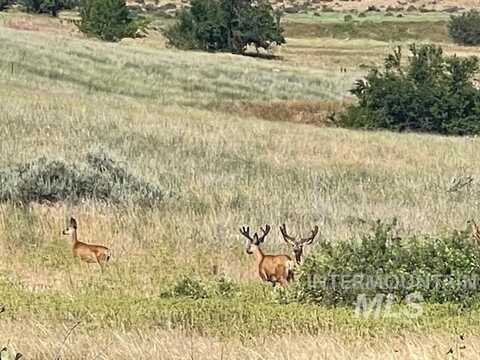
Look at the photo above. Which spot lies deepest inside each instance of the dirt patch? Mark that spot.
(317, 113)
(40, 23)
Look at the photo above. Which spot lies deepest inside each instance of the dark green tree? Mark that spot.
(109, 20)
(48, 6)
(4, 4)
(226, 25)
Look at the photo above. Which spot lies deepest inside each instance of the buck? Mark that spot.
(88, 253)
(298, 244)
(271, 268)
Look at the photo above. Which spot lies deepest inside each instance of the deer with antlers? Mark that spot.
(88, 253)
(271, 268)
(298, 244)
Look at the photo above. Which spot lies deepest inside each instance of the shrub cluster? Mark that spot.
(441, 269)
(192, 288)
(465, 29)
(229, 25)
(431, 93)
(99, 179)
(109, 20)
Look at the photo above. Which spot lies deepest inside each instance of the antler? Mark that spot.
(265, 233)
(246, 232)
(255, 239)
(289, 240)
(309, 240)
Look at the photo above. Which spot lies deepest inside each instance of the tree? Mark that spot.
(4, 4)
(465, 29)
(431, 93)
(229, 25)
(48, 6)
(109, 20)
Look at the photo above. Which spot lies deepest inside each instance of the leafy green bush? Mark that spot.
(109, 20)
(432, 93)
(229, 25)
(439, 268)
(465, 29)
(48, 6)
(195, 289)
(100, 179)
(189, 287)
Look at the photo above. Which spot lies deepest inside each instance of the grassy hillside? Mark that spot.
(193, 122)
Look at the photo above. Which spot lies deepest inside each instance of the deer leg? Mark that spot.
(99, 262)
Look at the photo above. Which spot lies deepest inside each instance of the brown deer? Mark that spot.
(86, 252)
(298, 244)
(271, 268)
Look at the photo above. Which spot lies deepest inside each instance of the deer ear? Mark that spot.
(73, 222)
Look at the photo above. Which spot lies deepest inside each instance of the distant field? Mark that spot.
(195, 123)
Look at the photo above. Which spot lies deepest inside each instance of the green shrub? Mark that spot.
(431, 93)
(190, 287)
(99, 179)
(439, 268)
(465, 29)
(48, 6)
(109, 20)
(229, 25)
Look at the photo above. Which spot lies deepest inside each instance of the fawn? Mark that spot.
(89, 253)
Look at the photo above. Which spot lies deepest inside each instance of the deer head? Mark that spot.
(72, 227)
(254, 240)
(298, 244)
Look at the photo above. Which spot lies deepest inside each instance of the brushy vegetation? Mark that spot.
(109, 20)
(437, 269)
(228, 25)
(465, 29)
(431, 93)
(99, 179)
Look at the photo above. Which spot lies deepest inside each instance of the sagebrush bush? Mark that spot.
(431, 93)
(465, 29)
(229, 25)
(100, 179)
(439, 268)
(109, 20)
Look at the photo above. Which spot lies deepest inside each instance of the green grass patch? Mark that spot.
(435, 31)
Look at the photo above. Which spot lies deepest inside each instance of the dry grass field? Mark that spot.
(234, 140)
